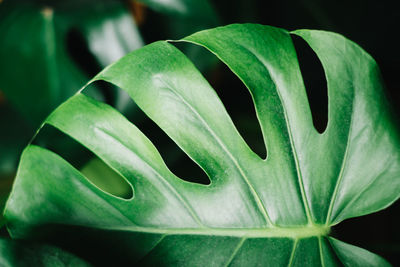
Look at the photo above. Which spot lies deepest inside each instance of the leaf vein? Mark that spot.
(293, 252)
(321, 256)
(153, 248)
(342, 168)
(184, 202)
(296, 159)
(236, 251)
(235, 163)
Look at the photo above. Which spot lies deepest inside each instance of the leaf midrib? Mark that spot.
(297, 232)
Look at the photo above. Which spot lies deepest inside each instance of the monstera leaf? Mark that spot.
(267, 212)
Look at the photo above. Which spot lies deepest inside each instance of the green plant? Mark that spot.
(39, 39)
(276, 211)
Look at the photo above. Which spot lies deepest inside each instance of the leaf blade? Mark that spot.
(172, 92)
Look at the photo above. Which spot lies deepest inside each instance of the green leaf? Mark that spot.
(354, 256)
(34, 46)
(274, 211)
(36, 36)
(19, 253)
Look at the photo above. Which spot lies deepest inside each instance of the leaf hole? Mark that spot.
(175, 158)
(315, 82)
(81, 158)
(236, 99)
(78, 50)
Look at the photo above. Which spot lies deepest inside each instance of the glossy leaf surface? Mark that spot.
(271, 212)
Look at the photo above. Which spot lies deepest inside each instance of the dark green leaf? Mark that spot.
(34, 46)
(18, 253)
(276, 211)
